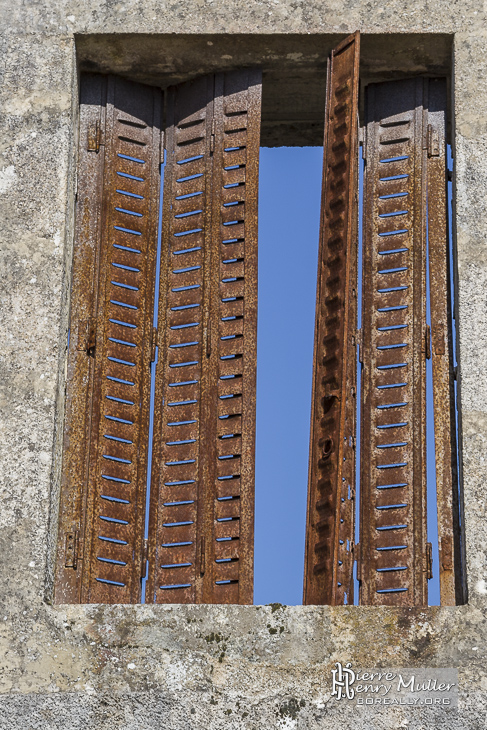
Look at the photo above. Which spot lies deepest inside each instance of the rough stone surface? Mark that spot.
(208, 666)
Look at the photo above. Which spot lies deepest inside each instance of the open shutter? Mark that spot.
(448, 509)
(107, 410)
(330, 517)
(393, 550)
(202, 497)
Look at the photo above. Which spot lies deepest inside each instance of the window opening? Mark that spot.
(210, 263)
(289, 216)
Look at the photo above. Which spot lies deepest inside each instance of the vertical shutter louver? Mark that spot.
(201, 530)
(105, 459)
(331, 488)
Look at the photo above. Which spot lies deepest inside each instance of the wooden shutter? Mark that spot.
(202, 497)
(393, 551)
(107, 406)
(331, 488)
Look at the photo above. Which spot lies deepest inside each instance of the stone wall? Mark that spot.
(206, 666)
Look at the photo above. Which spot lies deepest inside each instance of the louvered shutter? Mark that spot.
(393, 565)
(202, 498)
(107, 406)
(331, 488)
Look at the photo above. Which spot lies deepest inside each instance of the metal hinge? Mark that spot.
(356, 552)
(362, 139)
(446, 554)
(427, 342)
(208, 339)
(358, 340)
(438, 336)
(145, 559)
(71, 549)
(433, 142)
(86, 334)
(212, 137)
(162, 151)
(429, 561)
(153, 344)
(94, 137)
(202, 556)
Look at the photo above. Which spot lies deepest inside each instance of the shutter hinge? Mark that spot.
(356, 552)
(145, 559)
(438, 336)
(446, 553)
(162, 150)
(427, 342)
(208, 339)
(202, 556)
(433, 142)
(212, 136)
(94, 137)
(429, 561)
(71, 549)
(358, 340)
(153, 344)
(362, 138)
(86, 334)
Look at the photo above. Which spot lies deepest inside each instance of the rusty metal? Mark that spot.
(393, 564)
(450, 568)
(331, 487)
(108, 380)
(201, 528)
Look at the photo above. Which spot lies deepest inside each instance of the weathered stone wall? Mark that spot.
(204, 666)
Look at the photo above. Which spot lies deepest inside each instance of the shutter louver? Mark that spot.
(393, 566)
(202, 497)
(105, 461)
(331, 488)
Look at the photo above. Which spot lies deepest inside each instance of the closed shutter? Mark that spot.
(393, 551)
(107, 407)
(331, 488)
(202, 498)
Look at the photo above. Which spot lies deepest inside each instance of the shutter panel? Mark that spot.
(331, 488)
(109, 351)
(393, 568)
(450, 568)
(202, 498)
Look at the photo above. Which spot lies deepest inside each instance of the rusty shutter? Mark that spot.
(202, 495)
(331, 488)
(393, 551)
(448, 508)
(107, 406)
